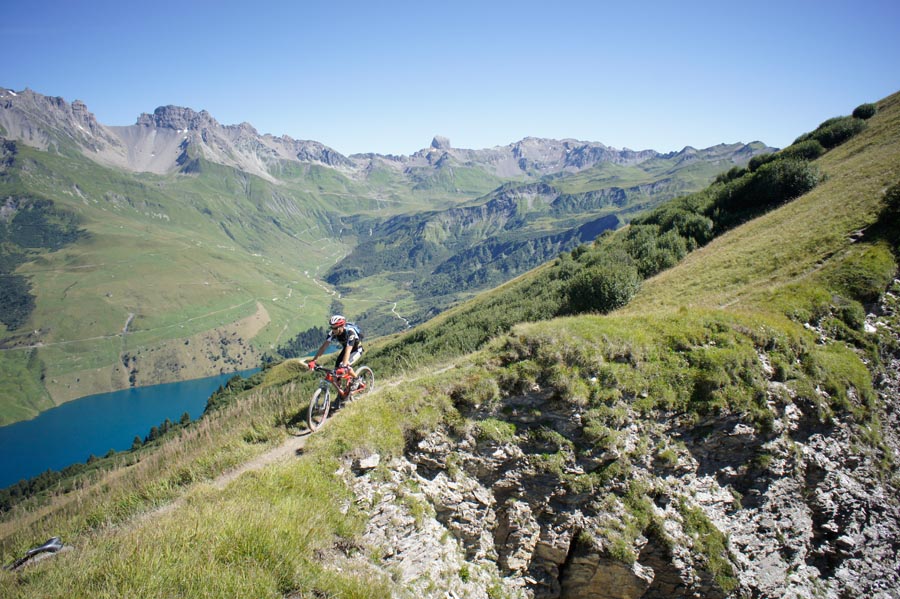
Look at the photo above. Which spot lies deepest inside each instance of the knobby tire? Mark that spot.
(318, 409)
(365, 375)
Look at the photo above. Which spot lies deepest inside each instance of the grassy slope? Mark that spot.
(741, 269)
(220, 247)
(198, 548)
(145, 228)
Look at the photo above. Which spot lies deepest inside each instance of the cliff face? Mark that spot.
(533, 496)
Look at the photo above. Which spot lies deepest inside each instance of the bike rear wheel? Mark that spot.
(318, 409)
(364, 383)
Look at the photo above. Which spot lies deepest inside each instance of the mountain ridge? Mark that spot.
(243, 146)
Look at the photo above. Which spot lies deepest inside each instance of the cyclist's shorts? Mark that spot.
(354, 356)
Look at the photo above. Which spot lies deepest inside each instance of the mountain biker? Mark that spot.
(350, 338)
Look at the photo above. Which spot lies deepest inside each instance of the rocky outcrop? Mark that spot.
(162, 142)
(656, 508)
(47, 122)
(177, 117)
(440, 143)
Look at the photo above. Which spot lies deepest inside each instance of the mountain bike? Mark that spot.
(346, 389)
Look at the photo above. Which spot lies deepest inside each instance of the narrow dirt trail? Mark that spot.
(291, 447)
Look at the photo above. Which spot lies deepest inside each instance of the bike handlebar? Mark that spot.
(332, 371)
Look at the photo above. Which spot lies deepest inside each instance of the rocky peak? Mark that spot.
(177, 117)
(45, 121)
(314, 151)
(440, 143)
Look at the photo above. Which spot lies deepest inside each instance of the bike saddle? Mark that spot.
(53, 545)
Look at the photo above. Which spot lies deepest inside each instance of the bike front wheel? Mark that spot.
(364, 383)
(318, 409)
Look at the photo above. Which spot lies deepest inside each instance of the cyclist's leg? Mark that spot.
(355, 355)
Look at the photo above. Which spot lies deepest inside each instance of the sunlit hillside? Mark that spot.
(700, 404)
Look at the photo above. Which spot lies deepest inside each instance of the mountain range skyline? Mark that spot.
(168, 138)
(175, 117)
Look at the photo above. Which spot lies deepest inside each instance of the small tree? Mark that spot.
(761, 159)
(603, 287)
(807, 150)
(834, 132)
(865, 111)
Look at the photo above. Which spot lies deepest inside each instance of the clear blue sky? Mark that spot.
(387, 76)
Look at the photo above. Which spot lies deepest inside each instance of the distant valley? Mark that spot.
(178, 247)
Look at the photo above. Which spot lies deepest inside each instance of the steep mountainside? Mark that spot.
(726, 427)
(178, 247)
(730, 432)
(519, 226)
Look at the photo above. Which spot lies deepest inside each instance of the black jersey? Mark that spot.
(350, 336)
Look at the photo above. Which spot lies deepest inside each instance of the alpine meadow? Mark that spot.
(177, 247)
(599, 372)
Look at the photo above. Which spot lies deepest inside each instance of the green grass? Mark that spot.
(686, 348)
(144, 228)
(24, 372)
(710, 542)
(216, 241)
(792, 243)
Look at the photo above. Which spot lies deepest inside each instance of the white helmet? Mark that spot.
(337, 321)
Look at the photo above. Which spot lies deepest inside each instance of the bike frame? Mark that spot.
(320, 403)
(332, 378)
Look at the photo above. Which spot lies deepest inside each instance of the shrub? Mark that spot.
(603, 287)
(784, 180)
(864, 111)
(890, 209)
(653, 250)
(735, 172)
(834, 132)
(687, 224)
(806, 150)
(772, 184)
(761, 159)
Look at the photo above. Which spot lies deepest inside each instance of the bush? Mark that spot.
(834, 132)
(771, 185)
(735, 172)
(864, 111)
(758, 161)
(784, 180)
(693, 226)
(806, 150)
(603, 287)
(890, 210)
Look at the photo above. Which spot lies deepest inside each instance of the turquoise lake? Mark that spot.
(93, 425)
